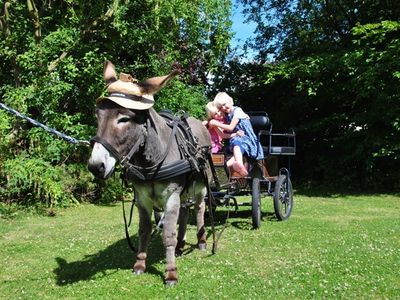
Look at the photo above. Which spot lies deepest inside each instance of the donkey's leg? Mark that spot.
(182, 221)
(169, 237)
(200, 207)
(144, 237)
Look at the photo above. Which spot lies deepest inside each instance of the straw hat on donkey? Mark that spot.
(128, 92)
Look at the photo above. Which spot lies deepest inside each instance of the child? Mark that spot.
(216, 134)
(237, 120)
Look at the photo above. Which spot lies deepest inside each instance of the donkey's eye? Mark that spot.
(123, 120)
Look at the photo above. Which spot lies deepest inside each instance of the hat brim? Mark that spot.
(142, 104)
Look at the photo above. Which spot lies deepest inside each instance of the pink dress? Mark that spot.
(216, 140)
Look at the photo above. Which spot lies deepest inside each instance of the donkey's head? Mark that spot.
(121, 118)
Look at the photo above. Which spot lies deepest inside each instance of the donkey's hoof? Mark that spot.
(171, 277)
(202, 246)
(171, 283)
(138, 271)
(140, 265)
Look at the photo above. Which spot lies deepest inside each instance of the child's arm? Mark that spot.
(225, 135)
(228, 127)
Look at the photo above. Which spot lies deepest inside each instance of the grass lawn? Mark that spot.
(344, 247)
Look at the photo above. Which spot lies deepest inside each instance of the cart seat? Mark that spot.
(272, 143)
(259, 121)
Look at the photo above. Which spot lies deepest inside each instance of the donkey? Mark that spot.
(152, 152)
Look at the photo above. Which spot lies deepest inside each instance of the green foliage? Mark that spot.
(179, 97)
(113, 190)
(290, 29)
(331, 71)
(31, 180)
(52, 55)
(340, 107)
(5, 136)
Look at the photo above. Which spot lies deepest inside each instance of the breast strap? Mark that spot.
(193, 155)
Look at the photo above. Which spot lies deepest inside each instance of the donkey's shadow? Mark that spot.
(117, 256)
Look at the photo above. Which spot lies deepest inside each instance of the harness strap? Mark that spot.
(130, 243)
(106, 145)
(162, 173)
(159, 165)
(158, 171)
(186, 141)
(135, 147)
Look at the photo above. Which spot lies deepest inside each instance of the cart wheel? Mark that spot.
(283, 197)
(256, 202)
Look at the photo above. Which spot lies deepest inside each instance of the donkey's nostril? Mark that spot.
(97, 169)
(102, 168)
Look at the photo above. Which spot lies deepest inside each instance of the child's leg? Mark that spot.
(230, 162)
(238, 164)
(237, 156)
(237, 153)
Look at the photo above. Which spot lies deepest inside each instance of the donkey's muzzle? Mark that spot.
(98, 169)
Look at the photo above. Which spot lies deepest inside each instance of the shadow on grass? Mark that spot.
(114, 257)
(245, 215)
(118, 256)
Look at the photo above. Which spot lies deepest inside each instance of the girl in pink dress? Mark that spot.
(216, 133)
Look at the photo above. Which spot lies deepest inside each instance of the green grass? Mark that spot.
(344, 247)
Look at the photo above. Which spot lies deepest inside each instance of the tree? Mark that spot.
(52, 55)
(330, 69)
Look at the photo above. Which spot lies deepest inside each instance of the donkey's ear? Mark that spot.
(153, 85)
(109, 72)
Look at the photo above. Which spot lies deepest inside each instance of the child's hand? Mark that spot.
(240, 133)
(213, 122)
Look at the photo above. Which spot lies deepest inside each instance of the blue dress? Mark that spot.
(249, 143)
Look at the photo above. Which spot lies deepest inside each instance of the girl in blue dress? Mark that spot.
(247, 143)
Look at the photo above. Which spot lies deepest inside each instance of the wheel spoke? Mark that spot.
(283, 197)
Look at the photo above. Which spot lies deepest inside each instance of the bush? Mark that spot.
(31, 180)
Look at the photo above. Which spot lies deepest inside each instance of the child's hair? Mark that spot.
(222, 98)
(211, 109)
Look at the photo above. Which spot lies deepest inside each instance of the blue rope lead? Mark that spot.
(48, 129)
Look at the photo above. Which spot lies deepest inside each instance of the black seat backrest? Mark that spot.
(259, 120)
